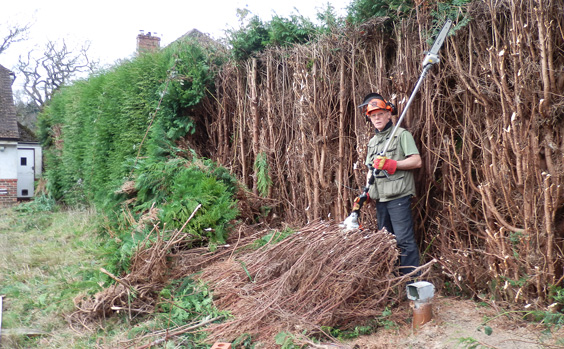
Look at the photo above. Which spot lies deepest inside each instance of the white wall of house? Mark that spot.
(8, 160)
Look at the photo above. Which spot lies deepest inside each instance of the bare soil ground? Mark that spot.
(460, 324)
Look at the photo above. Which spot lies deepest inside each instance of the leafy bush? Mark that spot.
(360, 11)
(293, 30)
(177, 186)
(256, 35)
(249, 39)
(182, 302)
(123, 124)
(41, 203)
(456, 10)
(94, 129)
(185, 300)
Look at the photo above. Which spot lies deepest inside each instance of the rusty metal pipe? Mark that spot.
(421, 293)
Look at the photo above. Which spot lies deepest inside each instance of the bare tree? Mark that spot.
(57, 66)
(12, 34)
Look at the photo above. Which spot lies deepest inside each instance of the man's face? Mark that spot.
(380, 118)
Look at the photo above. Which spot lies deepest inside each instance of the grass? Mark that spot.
(46, 259)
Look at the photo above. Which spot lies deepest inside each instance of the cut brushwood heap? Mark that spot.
(319, 276)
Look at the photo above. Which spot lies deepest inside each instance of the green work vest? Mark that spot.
(401, 183)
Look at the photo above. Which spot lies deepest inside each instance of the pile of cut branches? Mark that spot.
(161, 257)
(136, 292)
(319, 276)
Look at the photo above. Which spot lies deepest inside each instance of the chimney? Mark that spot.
(147, 42)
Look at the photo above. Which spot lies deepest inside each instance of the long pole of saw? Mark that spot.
(431, 59)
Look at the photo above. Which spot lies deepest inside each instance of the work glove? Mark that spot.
(383, 163)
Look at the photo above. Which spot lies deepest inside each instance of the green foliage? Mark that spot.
(41, 203)
(256, 35)
(547, 318)
(360, 11)
(293, 30)
(469, 343)
(286, 341)
(186, 300)
(123, 123)
(180, 303)
(456, 10)
(272, 238)
(249, 39)
(244, 266)
(348, 334)
(557, 294)
(384, 320)
(178, 187)
(95, 129)
(101, 122)
(93, 132)
(117, 253)
(515, 238)
(264, 182)
(190, 78)
(523, 280)
(243, 341)
(328, 19)
(487, 329)
(369, 328)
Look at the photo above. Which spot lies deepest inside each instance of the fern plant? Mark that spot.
(178, 186)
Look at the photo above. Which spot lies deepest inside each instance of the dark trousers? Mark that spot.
(395, 216)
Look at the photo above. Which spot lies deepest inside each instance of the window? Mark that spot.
(23, 161)
(24, 192)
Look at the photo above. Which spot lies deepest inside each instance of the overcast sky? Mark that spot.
(112, 26)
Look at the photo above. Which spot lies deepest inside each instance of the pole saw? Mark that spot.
(431, 58)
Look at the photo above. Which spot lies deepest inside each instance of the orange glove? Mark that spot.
(388, 165)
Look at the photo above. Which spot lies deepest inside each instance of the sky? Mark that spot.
(112, 26)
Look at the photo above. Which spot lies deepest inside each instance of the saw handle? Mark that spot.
(360, 200)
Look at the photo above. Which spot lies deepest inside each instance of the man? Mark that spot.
(394, 184)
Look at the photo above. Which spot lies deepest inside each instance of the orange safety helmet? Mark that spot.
(374, 101)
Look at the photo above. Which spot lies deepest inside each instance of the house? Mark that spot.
(20, 153)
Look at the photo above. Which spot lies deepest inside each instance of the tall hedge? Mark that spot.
(121, 124)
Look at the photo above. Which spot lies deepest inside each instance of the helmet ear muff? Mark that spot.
(393, 108)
